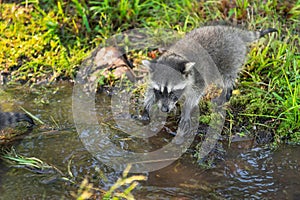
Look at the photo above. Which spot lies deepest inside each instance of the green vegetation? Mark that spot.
(121, 189)
(45, 41)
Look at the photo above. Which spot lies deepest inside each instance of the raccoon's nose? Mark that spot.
(164, 109)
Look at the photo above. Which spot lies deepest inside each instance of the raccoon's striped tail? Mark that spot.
(269, 30)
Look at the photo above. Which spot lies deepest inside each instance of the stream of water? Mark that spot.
(244, 173)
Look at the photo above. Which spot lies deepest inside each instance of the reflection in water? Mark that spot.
(257, 173)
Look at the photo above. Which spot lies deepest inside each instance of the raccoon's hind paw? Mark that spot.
(229, 94)
(223, 98)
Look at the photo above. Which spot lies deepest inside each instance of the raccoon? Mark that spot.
(191, 64)
(10, 118)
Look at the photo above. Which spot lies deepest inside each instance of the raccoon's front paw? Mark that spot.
(145, 118)
(184, 131)
(185, 126)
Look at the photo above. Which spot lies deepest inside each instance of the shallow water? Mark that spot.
(244, 173)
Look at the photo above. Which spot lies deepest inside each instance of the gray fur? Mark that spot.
(10, 118)
(207, 55)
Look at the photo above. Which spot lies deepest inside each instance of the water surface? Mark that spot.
(244, 173)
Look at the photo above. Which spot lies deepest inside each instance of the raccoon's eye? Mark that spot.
(176, 94)
(174, 97)
(157, 92)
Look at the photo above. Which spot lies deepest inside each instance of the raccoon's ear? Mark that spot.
(188, 66)
(147, 64)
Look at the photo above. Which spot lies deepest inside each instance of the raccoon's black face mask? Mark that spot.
(167, 100)
(168, 83)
